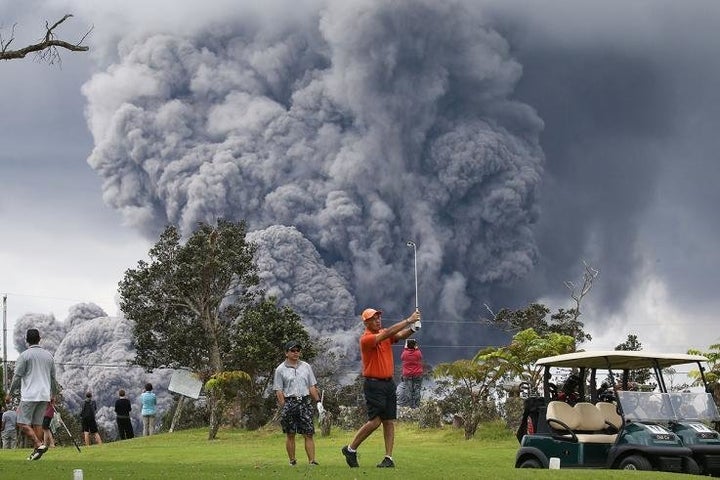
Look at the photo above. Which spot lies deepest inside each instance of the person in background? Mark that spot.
(412, 371)
(149, 409)
(122, 417)
(88, 420)
(47, 421)
(35, 378)
(294, 384)
(379, 387)
(9, 428)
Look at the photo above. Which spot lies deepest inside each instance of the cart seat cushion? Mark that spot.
(591, 419)
(609, 411)
(564, 413)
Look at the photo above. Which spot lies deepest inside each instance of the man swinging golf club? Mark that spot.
(379, 388)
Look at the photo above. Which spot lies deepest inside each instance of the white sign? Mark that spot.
(185, 383)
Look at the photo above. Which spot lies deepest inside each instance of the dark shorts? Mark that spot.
(380, 399)
(297, 416)
(89, 425)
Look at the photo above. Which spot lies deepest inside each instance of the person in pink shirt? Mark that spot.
(48, 437)
(412, 371)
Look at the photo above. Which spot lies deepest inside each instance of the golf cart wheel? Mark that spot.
(530, 463)
(635, 462)
(691, 467)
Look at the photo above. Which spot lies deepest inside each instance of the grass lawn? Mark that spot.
(419, 454)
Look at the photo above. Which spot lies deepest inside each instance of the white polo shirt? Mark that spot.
(294, 381)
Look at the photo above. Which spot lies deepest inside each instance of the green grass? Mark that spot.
(419, 454)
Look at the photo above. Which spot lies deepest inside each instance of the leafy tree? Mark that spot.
(712, 374)
(517, 360)
(466, 385)
(532, 316)
(670, 373)
(472, 381)
(565, 322)
(639, 376)
(259, 334)
(47, 49)
(186, 300)
(222, 389)
(632, 344)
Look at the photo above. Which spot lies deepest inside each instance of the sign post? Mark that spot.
(187, 385)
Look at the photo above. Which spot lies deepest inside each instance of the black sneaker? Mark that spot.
(38, 452)
(293, 463)
(314, 463)
(387, 462)
(350, 457)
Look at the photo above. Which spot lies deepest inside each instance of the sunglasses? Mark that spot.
(294, 350)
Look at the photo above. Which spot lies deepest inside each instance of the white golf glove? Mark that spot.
(415, 326)
(321, 411)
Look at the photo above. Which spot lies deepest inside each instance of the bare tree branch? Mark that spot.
(588, 277)
(48, 49)
(487, 307)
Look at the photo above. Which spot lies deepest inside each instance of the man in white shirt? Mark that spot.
(295, 386)
(35, 377)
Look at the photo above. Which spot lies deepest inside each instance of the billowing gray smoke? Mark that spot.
(92, 352)
(338, 135)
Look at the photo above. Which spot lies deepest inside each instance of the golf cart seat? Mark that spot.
(582, 423)
(563, 419)
(609, 411)
(592, 423)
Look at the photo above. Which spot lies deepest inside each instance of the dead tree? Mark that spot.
(588, 277)
(47, 50)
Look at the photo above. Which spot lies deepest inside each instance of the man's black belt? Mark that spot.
(373, 379)
(298, 399)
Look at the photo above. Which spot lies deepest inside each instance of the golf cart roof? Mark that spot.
(619, 359)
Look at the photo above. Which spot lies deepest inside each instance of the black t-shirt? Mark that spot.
(88, 410)
(122, 407)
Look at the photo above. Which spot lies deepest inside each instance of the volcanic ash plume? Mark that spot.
(360, 125)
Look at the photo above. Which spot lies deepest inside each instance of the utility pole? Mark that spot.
(5, 372)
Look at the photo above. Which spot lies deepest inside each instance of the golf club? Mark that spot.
(59, 417)
(410, 243)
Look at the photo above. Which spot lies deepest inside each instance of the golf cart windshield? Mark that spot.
(666, 407)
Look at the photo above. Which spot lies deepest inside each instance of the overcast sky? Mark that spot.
(511, 141)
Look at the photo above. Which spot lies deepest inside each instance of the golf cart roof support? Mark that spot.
(659, 376)
(702, 376)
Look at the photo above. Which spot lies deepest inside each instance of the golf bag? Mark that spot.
(531, 417)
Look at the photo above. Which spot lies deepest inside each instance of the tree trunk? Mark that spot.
(216, 365)
(326, 424)
(210, 323)
(178, 412)
(216, 413)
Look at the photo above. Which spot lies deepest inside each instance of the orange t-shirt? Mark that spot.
(377, 360)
